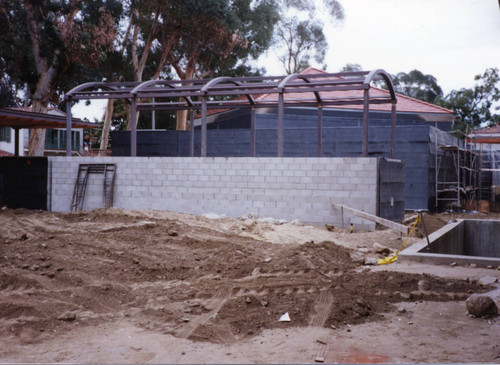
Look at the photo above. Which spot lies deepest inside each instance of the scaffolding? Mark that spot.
(457, 177)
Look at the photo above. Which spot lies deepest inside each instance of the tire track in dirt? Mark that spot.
(322, 308)
(214, 305)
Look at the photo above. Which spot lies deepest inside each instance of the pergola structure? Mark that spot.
(20, 119)
(322, 90)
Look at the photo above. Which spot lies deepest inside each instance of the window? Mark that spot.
(55, 139)
(5, 134)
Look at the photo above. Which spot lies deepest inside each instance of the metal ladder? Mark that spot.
(84, 170)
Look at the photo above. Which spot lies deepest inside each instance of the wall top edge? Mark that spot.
(157, 158)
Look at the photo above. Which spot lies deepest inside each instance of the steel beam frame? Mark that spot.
(245, 92)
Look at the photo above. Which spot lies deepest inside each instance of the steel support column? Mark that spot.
(366, 109)
(393, 130)
(320, 130)
(252, 132)
(204, 126)
(68, 127)
(16, 142)
(191, 133)
(281, 122)
(133, 129)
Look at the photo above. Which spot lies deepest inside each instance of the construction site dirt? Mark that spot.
(118, 286)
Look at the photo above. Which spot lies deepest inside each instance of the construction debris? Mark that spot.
(481, 305)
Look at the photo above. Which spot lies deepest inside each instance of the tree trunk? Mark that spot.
(182, 123)
(46, 74)
(105, 128)
(182, 115)
(37, 135)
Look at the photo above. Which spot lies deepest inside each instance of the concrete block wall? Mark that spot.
(284, 188)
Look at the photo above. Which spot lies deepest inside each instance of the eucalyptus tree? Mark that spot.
(50, 45)
(417, 85)
(220, 37)
(300, 34)
(477, 106)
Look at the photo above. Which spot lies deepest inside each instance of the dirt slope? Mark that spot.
(189, 278)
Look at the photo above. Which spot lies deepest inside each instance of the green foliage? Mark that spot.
(62, 43)
(350, 67)
(221, 35)
(418, 85)
(477, 106)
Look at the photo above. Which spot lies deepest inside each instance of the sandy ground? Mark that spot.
(118, 286)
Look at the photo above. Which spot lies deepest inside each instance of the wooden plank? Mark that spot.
(384, 222)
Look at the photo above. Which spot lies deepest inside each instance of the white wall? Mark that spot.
(284, 188)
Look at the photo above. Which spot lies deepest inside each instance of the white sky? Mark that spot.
(454, 40)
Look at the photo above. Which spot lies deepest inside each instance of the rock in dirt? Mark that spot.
(480, 305)
(406, 296)
(329, 227)
(215, 216)
(68, 316)
(488, 280)
(172, 233)
(424, 285)
(370, 261)
(319, 359)
(24, 237)
(383, 250)
(357, 257)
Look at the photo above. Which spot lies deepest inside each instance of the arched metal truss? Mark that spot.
(318, 90)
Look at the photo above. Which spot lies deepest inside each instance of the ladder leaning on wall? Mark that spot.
(84, 170)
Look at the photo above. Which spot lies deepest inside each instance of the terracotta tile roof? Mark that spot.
(405, 104)
(486, 135)
(490, 130)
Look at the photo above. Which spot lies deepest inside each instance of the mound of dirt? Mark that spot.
(191, 278)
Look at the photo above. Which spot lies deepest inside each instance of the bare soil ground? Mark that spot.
(120, 286)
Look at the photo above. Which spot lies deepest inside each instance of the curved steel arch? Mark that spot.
(283, 84)
(249, 87)
(144, 84)
(206, 88)
(368, 79)
(86, 85)
(387, 78)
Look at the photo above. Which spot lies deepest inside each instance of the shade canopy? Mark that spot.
(18, 119)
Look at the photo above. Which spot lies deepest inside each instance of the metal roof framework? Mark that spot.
(243, 92)
(19, 119)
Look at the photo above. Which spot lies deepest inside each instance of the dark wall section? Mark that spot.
(391, 204)
(23, 182)
(412, 146)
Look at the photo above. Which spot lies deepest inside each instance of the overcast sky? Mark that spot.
(451, 39)
(454, 40)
